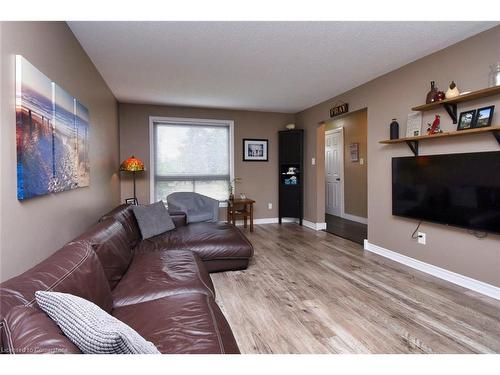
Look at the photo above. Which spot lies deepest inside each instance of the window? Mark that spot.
(191, 155)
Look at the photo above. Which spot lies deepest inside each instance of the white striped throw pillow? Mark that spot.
(90, 328)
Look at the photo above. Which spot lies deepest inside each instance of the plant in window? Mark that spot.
(232, 186)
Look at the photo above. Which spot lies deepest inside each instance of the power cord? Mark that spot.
(416, 230)
(478, 234)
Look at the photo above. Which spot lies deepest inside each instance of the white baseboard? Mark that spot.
(359, 219)
(270, 220)
(315, 226)
(455, 278)
(275, 220)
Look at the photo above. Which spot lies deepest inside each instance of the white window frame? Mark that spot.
(186, 121)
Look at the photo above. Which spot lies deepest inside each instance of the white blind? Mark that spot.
(192, 157)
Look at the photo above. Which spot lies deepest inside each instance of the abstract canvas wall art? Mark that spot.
(52, 135)
(82, 141)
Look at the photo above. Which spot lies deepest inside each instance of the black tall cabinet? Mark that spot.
(291, 172)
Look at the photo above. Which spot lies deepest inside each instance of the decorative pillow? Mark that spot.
(90, 328)
(153, 219)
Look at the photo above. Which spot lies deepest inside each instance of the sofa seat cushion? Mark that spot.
(109, 241)
(181, 324)
(210, 241)
(158, 274)
(28, 330)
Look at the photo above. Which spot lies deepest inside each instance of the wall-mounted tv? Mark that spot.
(462, 190)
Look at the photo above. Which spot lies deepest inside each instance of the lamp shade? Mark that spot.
(132, 164)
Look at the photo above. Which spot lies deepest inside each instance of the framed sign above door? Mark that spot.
(339, 110)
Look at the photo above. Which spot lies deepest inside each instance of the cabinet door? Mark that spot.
(290, 201)
(290, 147)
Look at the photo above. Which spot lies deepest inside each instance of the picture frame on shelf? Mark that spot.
(484, 116)
(414, 124)
(132, 201)
(255, 149)
(466, 120)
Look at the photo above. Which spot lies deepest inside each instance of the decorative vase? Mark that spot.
(432, 95)
(452, 91)
(394, 129)
(440, 96)
(494, 76)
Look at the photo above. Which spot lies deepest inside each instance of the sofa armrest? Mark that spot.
(179, 218)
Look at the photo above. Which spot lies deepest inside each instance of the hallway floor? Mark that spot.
(348, 229)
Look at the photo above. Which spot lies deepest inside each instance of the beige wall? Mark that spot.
(33, 229)
(260, 179)
(392, 96)
(355, 173)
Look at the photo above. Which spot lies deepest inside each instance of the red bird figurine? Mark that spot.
(434, 128)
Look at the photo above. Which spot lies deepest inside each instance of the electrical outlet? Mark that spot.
(269, 206)
(421, 238)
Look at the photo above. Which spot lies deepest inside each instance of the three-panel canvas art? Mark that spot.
(52, 135)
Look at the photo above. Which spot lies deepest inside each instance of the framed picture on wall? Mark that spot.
(354, 152)
(255, 149)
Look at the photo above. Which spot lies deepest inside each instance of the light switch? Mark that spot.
(361, 161)
(313, 161)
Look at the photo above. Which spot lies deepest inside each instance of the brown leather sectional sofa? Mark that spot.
(159, 286)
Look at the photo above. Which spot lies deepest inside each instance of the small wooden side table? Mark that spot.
(240, 208)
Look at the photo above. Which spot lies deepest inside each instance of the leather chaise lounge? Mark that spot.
(160, 286)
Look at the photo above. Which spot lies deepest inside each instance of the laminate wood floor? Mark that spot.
(313, 292)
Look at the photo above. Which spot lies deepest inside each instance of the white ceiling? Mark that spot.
(265, 66)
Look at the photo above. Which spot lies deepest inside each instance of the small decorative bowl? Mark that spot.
(290, 126)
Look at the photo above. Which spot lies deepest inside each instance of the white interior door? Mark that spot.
(334, 162)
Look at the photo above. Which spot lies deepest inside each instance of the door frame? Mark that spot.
(342, 199)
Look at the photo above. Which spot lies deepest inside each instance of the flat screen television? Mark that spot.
(461, 190)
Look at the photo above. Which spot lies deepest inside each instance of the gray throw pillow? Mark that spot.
(90, 328)
(153, 219)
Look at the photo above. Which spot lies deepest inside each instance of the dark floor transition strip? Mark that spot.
(348, 229)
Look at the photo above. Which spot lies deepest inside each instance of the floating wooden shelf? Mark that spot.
(462, 98)
(412, 142)
(451, 104)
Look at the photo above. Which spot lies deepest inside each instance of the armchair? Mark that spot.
(197, 207)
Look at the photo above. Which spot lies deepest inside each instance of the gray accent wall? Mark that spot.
(32, 230)
(259, 179)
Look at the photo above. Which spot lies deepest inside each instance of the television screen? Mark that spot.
(462, 190)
